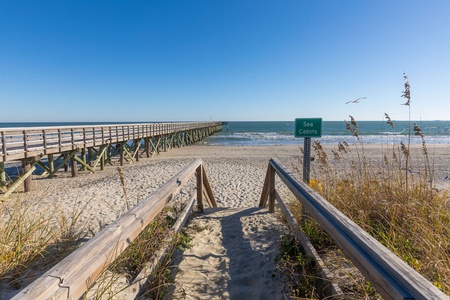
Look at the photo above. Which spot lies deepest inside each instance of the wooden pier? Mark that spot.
(53, 148)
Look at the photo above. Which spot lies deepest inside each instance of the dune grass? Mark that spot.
(393, 199)
(299, 272)
(34, 238)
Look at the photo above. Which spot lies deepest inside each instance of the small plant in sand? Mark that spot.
(122, 183)
(407, 95)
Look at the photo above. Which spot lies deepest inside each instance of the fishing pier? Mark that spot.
(87, 148)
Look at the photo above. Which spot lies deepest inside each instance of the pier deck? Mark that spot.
(90, 146)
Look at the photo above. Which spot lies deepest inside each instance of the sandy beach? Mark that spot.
(234, 257)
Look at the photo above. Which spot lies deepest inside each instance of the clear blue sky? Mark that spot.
(232, 60)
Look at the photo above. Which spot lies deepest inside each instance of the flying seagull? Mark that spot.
(356, 100)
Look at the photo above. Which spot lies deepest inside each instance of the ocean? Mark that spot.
(370, 132)
(267, 133)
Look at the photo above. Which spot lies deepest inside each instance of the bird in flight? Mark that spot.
(356, 100)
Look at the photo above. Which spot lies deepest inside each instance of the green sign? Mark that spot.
(309, 127)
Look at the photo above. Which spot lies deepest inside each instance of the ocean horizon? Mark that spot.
(267, 133)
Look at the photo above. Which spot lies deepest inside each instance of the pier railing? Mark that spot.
(391, 277)
(74, 275)
(22, 143)
(89, 146)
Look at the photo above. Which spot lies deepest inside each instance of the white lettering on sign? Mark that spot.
(309, 127)
(307, 131)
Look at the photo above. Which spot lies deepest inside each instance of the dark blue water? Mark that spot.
(372, 132)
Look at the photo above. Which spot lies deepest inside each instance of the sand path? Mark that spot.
(236, 245)
(233, 256)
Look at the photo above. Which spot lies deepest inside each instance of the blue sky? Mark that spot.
(222, 59)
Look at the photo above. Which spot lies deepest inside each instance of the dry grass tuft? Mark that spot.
(34, 239)
(400, 209)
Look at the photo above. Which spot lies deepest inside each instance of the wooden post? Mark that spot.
(208, 189)
(73, 165)
(165, 143)
(265, 190)
(84, 139)
(51, 164)
(72, 138)
(27, 184)
(138, 149)
(4, 146)
(271, 189)
(59, 139)
(93, 136)
(147, 146)
(44, 138)
(90, 156)
(25, 143)
(66, 166)
(83, 157)
(200, 189)
(121, 154)
(2, 174)
(102, 160)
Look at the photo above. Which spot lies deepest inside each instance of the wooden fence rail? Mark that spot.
(77, 272)
(391, 277)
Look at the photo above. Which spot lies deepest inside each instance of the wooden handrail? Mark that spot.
(70, 278)
(391, 276)
(21, 142)
(174, 124)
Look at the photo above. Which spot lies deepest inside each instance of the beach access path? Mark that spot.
(233, 256)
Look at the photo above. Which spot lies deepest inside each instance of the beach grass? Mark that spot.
(299, 271)
(393, 199)
(34, 238)
(351, 282)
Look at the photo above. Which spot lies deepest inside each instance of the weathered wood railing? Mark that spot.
(20, 143)
(390, 276)
(71, 278)
(89, 146)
